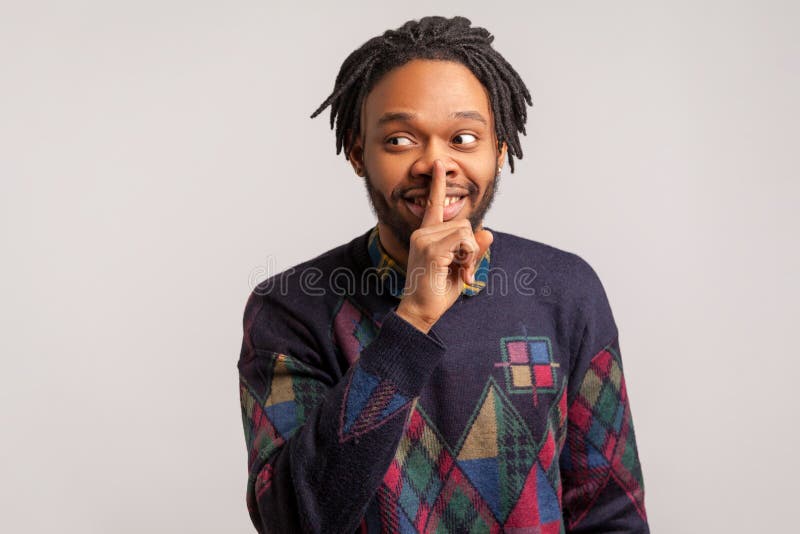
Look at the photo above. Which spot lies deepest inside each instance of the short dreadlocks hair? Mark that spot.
(430, 38)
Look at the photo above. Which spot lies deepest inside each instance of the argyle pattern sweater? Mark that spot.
(510, 415)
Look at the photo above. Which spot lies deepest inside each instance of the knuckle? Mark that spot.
(418, 237)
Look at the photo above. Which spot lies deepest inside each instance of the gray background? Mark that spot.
(156, 159)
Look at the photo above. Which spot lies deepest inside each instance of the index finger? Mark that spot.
(434, 209)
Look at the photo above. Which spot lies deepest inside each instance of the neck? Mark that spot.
(394, 248)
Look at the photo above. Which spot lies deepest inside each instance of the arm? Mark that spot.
(318, 450)
(603, 488)
(603, 485)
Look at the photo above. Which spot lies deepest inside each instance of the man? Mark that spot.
(414, 379)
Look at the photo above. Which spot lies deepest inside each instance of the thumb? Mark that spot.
(484, 239)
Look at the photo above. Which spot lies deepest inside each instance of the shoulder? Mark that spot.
(296, 303)
(565, 283)
(556, 269)
(301, 279)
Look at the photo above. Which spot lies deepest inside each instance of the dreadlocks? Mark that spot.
(430, 38)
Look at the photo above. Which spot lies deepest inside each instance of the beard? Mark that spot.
(402, 229)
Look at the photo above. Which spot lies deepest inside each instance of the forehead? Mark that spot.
(429, 89)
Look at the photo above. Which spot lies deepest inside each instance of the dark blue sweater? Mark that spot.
(510, 415)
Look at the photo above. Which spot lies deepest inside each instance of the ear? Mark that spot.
(355, 151)
(501, 155)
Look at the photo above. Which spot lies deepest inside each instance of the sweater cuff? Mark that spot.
(403, 354)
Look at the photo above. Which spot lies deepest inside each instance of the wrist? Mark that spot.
(415, 319)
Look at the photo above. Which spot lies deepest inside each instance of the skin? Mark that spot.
(427, 131)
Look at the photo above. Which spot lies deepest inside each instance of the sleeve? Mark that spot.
(318, 449)
(602, 483)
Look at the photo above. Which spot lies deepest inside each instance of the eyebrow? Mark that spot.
(402, 116)
(395, 116)
(473, 115)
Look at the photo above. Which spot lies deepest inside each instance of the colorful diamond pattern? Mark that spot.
(601, 442)
(496, 479)
(368, 403)
(272, 411)
(353, 330)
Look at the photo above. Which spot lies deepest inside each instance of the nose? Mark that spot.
(423, 167)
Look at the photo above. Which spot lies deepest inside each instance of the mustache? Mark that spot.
(469, 188)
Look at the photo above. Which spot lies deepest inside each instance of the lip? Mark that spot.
(450, 191)
(450, 211)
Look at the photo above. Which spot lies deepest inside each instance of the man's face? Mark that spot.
(417, 113)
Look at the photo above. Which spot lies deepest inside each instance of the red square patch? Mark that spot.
(543, 374)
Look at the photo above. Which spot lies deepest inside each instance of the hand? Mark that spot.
(442, 257)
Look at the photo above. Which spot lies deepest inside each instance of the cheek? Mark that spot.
(387, 173)
(482, 171)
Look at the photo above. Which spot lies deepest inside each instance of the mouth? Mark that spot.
(453, 204)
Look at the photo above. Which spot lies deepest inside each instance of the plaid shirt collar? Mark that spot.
(393, 275)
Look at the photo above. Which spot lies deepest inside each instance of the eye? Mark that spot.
(399, 140)
(464, 139)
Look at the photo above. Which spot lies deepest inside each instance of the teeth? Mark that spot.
(422, 201)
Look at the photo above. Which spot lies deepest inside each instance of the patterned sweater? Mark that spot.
(510, 415)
